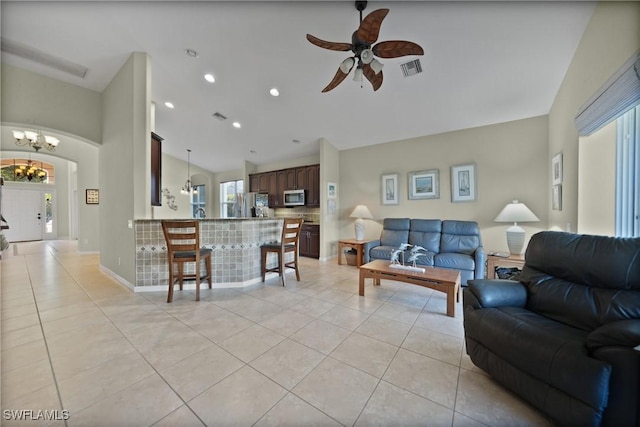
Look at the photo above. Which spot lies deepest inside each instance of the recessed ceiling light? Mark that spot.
(237, 125)
(274, 92)
(209, 77)
(296, 141)
(252, 151)
(192, 53)
(169, 104)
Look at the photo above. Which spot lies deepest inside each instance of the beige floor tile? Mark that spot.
(394, 406)
(23, 355)
(337, 389)
(292, 411)
(365, 304)
(240, 399)
(345, 317)
(410, 299)
(20, 310)
(288, 363)
(140, 404)
(398, 313)
(460, 420)
(313, 307)
(251, 343)
(441, 323)
(87, 319)
(383, 329)
(424, 376)
(97, 383)
(334, 296)
(434, 344)
(165, 351)
(26, 380)
(45, 399)
(321, 336)
(287, 322)
(367, 354)
(181, 417)
(21, 336)
(223, 326)
(257, 310)
(482, 399)
(20, 322)
(196, 373)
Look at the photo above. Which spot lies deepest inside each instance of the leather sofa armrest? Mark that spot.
(498, 293)
(480, 260)
(623, 333)
(366, 248)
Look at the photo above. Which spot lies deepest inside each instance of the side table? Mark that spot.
(494, 261)
(357, 245)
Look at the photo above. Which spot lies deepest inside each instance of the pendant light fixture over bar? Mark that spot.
(187, 188)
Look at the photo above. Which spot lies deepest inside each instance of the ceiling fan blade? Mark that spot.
(375, 79)
(337, 79)
(329, 45)
(370, 26)
(396, 48)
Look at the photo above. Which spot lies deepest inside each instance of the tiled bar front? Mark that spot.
(235, 244)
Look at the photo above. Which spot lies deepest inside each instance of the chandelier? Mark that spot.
(35, 140)
(29, 171)
(187, 187)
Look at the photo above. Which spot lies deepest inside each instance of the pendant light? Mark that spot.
(187, 188)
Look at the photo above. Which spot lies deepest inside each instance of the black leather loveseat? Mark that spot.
(566, 337)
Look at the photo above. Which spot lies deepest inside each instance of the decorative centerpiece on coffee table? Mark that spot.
(416, 252)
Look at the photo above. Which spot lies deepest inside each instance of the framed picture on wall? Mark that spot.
(556, 169)
(389, 189)
(424, 185)
(463, 183)
(332, 189)
(556, 199)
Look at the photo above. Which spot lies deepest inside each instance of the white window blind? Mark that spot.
(619, 94)
(628, 174)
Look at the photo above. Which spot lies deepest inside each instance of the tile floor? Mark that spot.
(311, 354)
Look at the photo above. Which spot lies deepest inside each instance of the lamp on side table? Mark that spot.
(361, 212)
(516, 212)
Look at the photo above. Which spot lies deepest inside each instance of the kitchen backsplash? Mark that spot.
(308, 214)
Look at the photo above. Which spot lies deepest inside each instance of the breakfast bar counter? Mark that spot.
(235, 243)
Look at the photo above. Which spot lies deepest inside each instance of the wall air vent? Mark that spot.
(219, 116)
(410, 68)
(35, 55)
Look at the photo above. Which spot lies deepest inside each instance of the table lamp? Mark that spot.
(360, 212)
(516, 212)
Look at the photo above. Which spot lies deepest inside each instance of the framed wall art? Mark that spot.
(463, 183)
(389, 189)
(332, 189)
(424, 185)
(92, 196)
(556, 199)
(556, 169)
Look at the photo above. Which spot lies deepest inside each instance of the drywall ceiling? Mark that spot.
(484, 63)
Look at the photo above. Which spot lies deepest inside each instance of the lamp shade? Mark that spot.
(516, 212)
(361, 211)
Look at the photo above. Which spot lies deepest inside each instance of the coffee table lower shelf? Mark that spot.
(439, 279)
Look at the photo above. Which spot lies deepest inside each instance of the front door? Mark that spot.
(23, 211)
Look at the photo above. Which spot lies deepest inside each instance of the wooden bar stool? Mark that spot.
(288, 243)
(183, 245)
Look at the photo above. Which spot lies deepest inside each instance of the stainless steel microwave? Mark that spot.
(294, 198)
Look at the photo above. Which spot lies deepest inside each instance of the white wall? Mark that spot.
(511, 163)
(330, 227)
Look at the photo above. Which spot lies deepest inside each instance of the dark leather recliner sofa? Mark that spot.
(566, 337)
(448, 243)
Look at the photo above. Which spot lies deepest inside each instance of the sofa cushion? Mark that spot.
(382, 252)
(583, 281)
(426, 233)
(455, 261)
(460, 236)
(542, 348)
(394, 232)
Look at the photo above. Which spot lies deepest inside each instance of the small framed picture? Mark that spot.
(389, 189)
(556, 169)
(92, 196)
(424, 185)
(331, 190)
(556, 199)
(463, 183)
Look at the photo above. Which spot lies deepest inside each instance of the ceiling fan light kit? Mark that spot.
(364, 50)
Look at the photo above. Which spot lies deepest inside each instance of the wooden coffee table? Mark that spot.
(439, 279)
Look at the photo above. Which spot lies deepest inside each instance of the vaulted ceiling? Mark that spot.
(484, 63)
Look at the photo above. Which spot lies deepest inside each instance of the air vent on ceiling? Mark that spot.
(410, 68)
(219, 116)
(35, 55)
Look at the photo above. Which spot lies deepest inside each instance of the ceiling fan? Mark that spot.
(364, 53)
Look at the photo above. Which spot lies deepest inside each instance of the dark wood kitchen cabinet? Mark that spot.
(313, 185)
(275, 183)
(309, 244)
